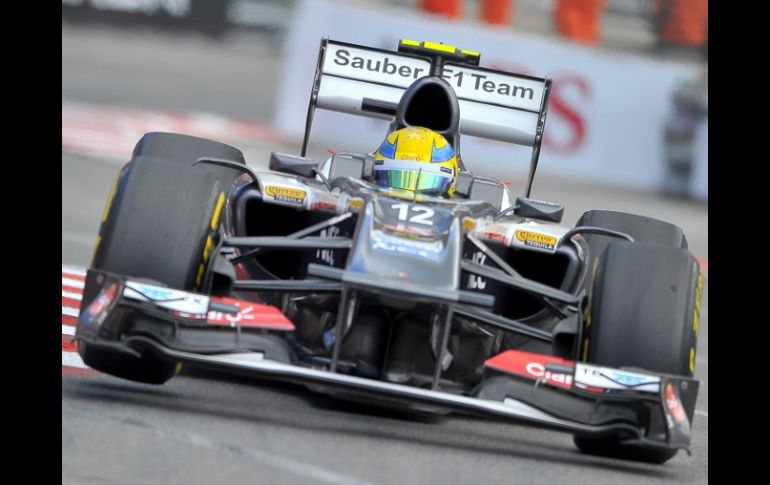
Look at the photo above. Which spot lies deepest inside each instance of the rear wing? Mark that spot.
(369, 82)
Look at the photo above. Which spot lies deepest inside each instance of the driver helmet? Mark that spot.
(416, 158)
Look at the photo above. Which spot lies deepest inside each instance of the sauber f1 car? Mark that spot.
(479, 304)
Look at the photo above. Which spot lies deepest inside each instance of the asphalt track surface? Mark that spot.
(210, 428)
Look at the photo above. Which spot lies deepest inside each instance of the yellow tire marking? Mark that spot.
(585, 350)
(698, 302)
(207, 249)
(199, 277)
(106, 213)
(210, 239)
(695, 321)
(692, 360)
(109, 199)
(217, 211)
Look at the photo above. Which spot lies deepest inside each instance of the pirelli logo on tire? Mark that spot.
(536, 240)
(209, 246)
(286, 194)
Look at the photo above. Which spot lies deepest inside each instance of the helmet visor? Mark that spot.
(405, 179)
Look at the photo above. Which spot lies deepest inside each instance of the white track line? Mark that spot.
(72, 283)
(70, 312)
(71, 296)
(67, 330)
(701, 413)
(72, 359)
(72, 269)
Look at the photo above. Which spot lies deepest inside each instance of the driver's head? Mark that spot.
(416, 158)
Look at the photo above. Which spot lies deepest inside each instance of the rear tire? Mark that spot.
(644, 312)
(161, 222)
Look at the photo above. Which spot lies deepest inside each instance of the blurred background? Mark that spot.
(627, 127)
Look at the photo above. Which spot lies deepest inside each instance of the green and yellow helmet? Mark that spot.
(416, 158)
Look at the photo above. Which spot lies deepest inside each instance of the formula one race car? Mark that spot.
(317, 274)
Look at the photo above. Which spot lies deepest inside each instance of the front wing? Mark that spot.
(654, 410)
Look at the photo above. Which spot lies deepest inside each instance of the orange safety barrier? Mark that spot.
(683, 22)
(450, 8)
(579, 20)
(496, 12)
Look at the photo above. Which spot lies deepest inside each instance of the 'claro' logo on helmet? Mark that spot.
(416, 158)
(535, 239)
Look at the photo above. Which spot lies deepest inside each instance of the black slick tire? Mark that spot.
(161, 222)
(644, 312)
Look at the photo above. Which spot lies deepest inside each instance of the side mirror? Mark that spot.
(488, 190)
(538, 209)
(293, 164)
(353, 165)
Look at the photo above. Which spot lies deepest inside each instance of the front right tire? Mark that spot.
(644, 312)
